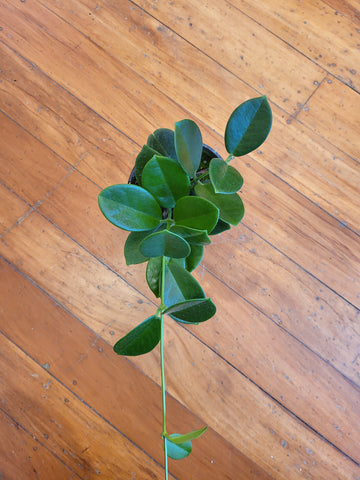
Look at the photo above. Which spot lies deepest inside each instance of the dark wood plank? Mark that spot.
(115, 388)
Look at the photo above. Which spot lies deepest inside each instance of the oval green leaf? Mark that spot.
(188, 145)
(192, 311)
(130, 207)
(142, 339)
(180, 285)
(193, 260)
(164, 244)
(230, 205)
(177, 451)
(220, 227)
(196, 212)
(224, 177)
(153, 275)
(132, 251)
(144, 156)
(248, 126)
(162, 140)
(165, 180)
(191, 235)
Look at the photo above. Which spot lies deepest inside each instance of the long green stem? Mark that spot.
(163, 390)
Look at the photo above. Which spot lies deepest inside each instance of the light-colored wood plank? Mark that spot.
(313, 28)
(283, 350)
(12, 208)
(82, 439)
(73, 60)
(70, 351)
(230, 391)
(333, 112)
(23, 458)
(243, 47)
(46, 250)
(59, 120)
(314, 167)
(348, 8)
(27, 167)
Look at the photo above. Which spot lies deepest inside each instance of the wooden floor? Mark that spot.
(276, 374)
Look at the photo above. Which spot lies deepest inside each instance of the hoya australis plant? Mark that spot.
(180, 195)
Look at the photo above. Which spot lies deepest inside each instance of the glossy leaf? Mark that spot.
(220, 227)
(224, 177)
(144, 156)
(130, 207)
(195, 212)
(230, 205)
(132, 251)
(162, 140)
(193, 260)
(180, 285)
(142, 339)
(164, 244)
(188, 145)
(191, 235)
(177, 451)
(153, 275)
(248, 126)
(188, 436)
(165, 180)
(193, 311)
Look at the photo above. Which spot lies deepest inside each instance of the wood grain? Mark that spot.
(25, 458)
(315, 29)
(333, 112)
(12, 209)
(79, 351)
(62, 420)
(276, 373)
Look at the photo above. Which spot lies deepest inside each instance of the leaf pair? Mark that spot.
(180, 446)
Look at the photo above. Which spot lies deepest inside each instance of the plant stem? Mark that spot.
(163, 391)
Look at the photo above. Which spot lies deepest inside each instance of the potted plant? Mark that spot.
(179, 194)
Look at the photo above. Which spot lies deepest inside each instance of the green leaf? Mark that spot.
(130, 207)
(177, 451)
(193, 260)
(220, 227)
(165, 180)
(248, 126)
(180, 285)
(153, 275)
(188, 145)
(192, 311)
(230, 205)
(195, 212)
(142, 339)
(162, 140)
(164, 244)
(144, 156)
(188, 436)
(191, 235)
(132, 248)
(224, 177)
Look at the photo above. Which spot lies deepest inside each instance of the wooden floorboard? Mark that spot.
(276, 374)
